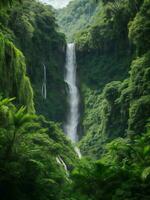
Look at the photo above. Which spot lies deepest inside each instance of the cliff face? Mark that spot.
(32, 28)
(13, 79)
(113, 66)
(35, 155)
(112, 44)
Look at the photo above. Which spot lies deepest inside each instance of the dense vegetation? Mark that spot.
(32, 27)
(75, 17)
(113, 66)
(37, 161)
(30, 148)
(121, 173)
(34, 152)
(13, 79)
(112, 50)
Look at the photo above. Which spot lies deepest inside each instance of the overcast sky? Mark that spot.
(57, 3)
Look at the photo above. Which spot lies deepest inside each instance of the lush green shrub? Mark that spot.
(29, 148)
(139, 29)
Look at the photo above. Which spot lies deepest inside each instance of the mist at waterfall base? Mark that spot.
(71, 125)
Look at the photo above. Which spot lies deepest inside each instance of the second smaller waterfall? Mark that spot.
(44, 86)
(61, 162)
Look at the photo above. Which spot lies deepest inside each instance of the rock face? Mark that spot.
(13, 79)
(41, 43)
(113, 68)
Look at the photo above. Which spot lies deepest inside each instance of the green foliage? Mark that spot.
(139, 29)
(117, 110)
(76, 16)
(116, 104)
(104, 120)
(29, 146)
(139, 84)
(4, 3)
(95, 70)
(140, 76)
(139, 112)
(36, 33)
(104, 55)
(121, 173)
(108, 31)
(32, 28)
(13, 79)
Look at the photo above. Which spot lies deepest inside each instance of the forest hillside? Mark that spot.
(75, 100)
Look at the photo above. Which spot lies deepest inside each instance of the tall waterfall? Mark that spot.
(44, 87)
(73, 93)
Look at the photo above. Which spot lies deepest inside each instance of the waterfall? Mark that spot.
(61, 162)
(73, 95)
(44, 87)
(77, 150)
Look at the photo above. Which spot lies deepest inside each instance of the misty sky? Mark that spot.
(56, 3)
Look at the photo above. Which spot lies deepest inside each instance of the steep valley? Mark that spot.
(45, 122)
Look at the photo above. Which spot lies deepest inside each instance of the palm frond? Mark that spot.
(6, 101)
(145, 173)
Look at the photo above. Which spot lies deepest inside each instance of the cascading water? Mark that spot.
(61, 162)
(44, 87)
(73, 95)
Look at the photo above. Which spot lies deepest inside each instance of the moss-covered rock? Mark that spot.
(36, 35)
(139, 113)
(140, 76)
(139, 29)
(13, 79)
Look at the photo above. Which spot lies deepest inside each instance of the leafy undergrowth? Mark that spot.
(30, 146)
(29, 150)
(122, 172)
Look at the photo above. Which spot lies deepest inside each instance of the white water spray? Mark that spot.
(44, 86)
(73, 96)
(77, 150)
